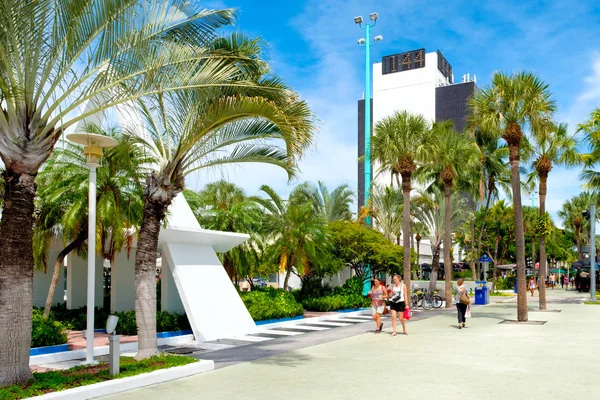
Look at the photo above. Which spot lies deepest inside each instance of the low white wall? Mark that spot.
(41, 283)
(77, 282)
(122, 283)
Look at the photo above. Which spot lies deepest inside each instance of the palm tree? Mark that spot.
(452, 157)
(571, 214)
(386, 208)
(496, 173)
(225, 207)
(554, 146)
(429, 212)
(334, 205)
(420, 230)
(60, 57)
(398, 146)
(188, 131)
(296, 231)
(63, 199)
(510, 102)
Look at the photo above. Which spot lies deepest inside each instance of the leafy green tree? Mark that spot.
(399, 146)
(550, 146)
(506, 106)
(59, 57)
(357, 246)
(571, 214)
(451, 158)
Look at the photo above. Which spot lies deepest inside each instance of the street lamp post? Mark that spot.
(92, 149)
(366, 42)
(593, 252)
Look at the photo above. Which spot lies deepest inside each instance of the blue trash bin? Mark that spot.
(482, 295)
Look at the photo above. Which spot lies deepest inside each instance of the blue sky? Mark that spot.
(312, 45)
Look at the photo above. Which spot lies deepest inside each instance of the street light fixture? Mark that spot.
(92, 149)
(366, 41)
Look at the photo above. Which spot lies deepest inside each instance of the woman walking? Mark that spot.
(532, 285)
(398, 303)
(378, 294)
(462, 302)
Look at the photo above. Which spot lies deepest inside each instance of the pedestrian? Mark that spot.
(462, 302)
(532, 285)
(552, 280)
(378, 294)
(398, 303)
(566, 282)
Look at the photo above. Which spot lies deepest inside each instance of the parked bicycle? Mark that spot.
(426, 300)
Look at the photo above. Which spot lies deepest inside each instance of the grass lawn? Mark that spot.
(54, 381)
(502, 294)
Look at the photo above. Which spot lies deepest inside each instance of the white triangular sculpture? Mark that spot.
(212, 305)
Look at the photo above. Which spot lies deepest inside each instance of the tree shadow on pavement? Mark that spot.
(290, 359)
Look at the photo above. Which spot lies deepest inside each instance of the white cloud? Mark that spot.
(589, 98)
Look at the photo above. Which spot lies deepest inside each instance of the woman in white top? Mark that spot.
(398, 303)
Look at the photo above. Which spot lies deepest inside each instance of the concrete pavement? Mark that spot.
(487, 360)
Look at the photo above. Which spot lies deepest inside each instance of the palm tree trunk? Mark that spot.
(419, 254)
(82, 237)
(515, 178)
(533, 253)
(406, 228)
(287, 279)
(485, 212)
(435, 267)
(16, 277)
(542, 289)
(447, 244)
(473, 254)
(578, 242)
(145, 273)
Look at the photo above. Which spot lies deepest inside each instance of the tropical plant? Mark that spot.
(59, 57)
(420, 230)
(506, 106)
(399, 146)
(223, 206)
(496, 173)
(295, 229)
(332, 206)
(571, 214)
(386, 209)
(551, 146)
(240, 120)
(591, 131)
(63, 203)
(432, 215)
(452, 158)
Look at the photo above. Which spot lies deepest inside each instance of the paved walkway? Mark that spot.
(487, 360)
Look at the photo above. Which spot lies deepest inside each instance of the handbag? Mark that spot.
(407, 314)
(468, 313)
(464, 299)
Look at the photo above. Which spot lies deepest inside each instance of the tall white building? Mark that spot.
(418, 82)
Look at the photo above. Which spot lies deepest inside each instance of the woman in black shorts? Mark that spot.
(398, 303)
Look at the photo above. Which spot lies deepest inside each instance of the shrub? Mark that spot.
(466, 274)
(46, 331)
(505, 283)
(76, 320)
(270, 303)
(353, 285)
(336, 302)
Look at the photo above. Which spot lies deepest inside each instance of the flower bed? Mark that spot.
(54, 381)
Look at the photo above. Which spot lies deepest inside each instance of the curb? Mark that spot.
(132, 382)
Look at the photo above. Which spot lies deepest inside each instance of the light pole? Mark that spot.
(92, 149)
(593, 252)
(366, 42)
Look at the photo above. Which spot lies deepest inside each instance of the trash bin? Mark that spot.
(482, 295)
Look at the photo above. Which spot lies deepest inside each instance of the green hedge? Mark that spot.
(271, 303)
(336, 302)
(505, 283)
(76, 320)
(46, 331)
(466, 274)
